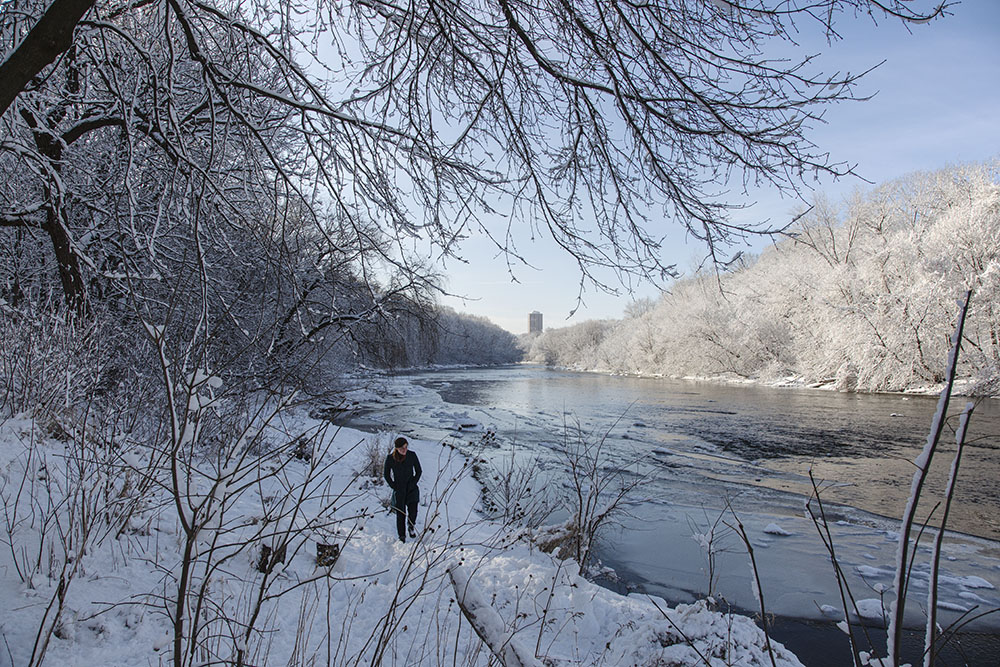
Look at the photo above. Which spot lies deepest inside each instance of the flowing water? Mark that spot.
(700, 448)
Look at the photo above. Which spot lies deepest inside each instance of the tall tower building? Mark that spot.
(535, 322)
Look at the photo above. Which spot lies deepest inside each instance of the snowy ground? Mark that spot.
(382, 602)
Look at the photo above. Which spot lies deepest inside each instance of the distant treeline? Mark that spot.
(444, 337)
(860, 295)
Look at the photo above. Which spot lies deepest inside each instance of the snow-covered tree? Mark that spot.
(862, 296)
(587, 120)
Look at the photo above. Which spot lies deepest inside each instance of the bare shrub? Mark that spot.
(60, 503)
(374, 449)
(598, 496)
(46, 364)
(514, 491)
(713, 540)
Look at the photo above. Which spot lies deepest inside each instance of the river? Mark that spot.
(702, 447)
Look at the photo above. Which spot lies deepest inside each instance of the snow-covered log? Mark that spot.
(487, 623)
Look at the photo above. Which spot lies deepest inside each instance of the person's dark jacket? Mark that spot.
(402, 477)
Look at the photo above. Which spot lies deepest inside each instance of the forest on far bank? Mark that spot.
(861, 295)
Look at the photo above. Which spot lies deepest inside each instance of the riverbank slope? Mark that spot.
(111, 591)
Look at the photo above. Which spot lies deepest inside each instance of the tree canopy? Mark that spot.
(385, 126)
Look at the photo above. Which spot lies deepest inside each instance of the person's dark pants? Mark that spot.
(401, 516)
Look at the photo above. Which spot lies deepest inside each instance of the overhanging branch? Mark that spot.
(52, 35)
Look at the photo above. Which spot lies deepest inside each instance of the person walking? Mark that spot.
(402, 472)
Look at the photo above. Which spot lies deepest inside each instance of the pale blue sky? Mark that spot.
(937, 103)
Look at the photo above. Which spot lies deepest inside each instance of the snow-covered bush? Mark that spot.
(48, 365)
(515, 490)
(374, 449)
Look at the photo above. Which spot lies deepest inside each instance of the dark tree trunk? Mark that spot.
(74, 290)
(55, 224)
(49, 38)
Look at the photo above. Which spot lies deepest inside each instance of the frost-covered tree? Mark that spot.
(860, 295)
(591, 121)
(897, 297)
(578, 345)
(469, 339)
(165, 169)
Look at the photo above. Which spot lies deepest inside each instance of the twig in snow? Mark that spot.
(758, 590)
(932, 587)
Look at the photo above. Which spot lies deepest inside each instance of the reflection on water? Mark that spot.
(860, 448)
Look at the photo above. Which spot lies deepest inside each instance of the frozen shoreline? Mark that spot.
(790, 382)
(112, 615)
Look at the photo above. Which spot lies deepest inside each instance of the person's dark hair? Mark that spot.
(397, 443)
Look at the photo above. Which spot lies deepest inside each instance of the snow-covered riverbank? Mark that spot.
(382, 602)
(683, 427)
(963, 386)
